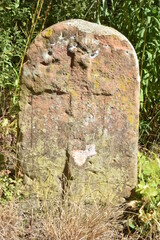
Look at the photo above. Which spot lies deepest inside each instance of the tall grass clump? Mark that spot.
(72, 222)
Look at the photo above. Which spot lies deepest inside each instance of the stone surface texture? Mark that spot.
(79, 111)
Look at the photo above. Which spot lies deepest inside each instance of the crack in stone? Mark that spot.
(102, 94)
(93, 171)
(72, 56)
(104, 110)
(45, 63)
(66, 177)
(49, 91)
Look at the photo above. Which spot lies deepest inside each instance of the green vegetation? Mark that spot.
(146, 206)
(139, 21)
(9, 187)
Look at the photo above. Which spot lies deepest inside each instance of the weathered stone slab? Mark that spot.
(79, 108)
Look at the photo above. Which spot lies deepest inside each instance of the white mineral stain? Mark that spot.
(66, 42)
(85, 41)
(107, 46)
(61, 40)
(105, 133)
(80, 156)
(46, 57)
(89, 119)
(71, 48)
(94, 41)
(61, 37)
(94, 54)
(73, 37)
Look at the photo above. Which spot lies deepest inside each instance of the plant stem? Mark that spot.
(144, 46)
(46, 14)
(98, 11)
(142, 59)
(34, 22)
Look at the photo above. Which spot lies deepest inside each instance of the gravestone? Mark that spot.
(79, 110)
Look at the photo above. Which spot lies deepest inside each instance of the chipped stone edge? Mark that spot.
(81, 156)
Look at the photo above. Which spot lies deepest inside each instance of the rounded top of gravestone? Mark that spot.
(93, 29)
(90, 27)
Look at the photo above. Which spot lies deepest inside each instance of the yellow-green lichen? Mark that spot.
(130, 119)
(73, 92)
(49, 33)
(96, 186)
(124, 100)
(40, 146)
(51, 67)
(96, 84)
